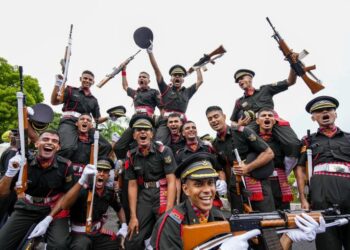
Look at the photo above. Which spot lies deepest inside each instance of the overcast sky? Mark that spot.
(34, 34)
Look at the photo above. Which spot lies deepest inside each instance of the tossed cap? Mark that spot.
(177, 69)
(197, 166)
(143, 37)
(141, 121)
(321, 102)
(42, 113)
(243, 72)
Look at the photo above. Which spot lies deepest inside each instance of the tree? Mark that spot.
(110, 127)
(9, 85)
(56, 121)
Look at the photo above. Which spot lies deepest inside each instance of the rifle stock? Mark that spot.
(116, 70)
(208, 58)
(194, 235)
(298, 66)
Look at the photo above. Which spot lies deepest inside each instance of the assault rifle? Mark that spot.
(116, 70)
(91, 194)
(21, 184)
(298, 66)
(195, 235)
(208, 58)
(65, 64)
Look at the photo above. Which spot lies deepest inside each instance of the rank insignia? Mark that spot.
(167, 159)
(69, 178)
(252, 137)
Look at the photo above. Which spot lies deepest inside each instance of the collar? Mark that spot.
(249, 92)
(191, 215)
(37, 162)
(83, 137)
(266, 136)
(143, 90)
(329, 132)
(151, 149)
(224, 133)
(86, 92)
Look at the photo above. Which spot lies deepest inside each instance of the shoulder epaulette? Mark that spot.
(176, 215)
(63, 160)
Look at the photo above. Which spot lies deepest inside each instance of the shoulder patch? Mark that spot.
(176, 216)
(244, 104)
(252, 137)
(69, 178)
(167, 159)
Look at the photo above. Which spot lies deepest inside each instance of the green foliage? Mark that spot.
(56, 121)
(110, 127)
(9, 85)
(291, 180)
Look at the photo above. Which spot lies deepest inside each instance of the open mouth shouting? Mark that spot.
(99, 182)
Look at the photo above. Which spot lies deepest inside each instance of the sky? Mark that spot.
(34, 34)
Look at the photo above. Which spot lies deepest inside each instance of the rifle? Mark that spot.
(28, 244)
(195, 235)
(298, 66)
(65, 64)
(208, 58)
(21, 184)
(116, 70)
(247, 206)
(90, 198)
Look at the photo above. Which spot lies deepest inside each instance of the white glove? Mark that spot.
(221, 187)
(239, 242)
(58, 80)
(41, 228)
(123, 230)
(88, 170)
(115, 137)
(322, 227)
(150, 48)
(307, 229)
(15, 165)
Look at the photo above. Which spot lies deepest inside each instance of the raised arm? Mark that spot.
(55, 99)
(154, 64)
(199, 78)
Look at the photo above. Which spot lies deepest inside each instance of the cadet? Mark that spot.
(198, 178)
(174, 124)
(253, 100)
(246, 141)
(281, 190)
(175, 97)
(76, 101)
(80, 156)
(331, 160)
(150, 170)
(49, 177)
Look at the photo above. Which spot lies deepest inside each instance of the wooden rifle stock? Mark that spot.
(298, 66)
(208, 58)
(89, 198)
(116, 70)
(195, 235)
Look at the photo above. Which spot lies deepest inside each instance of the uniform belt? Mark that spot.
(333, 167)
(144, 110)
(82, 228)
(71, 113)
(151, 184)
(41, 200)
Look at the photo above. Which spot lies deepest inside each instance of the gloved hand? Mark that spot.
(123, 230)
(322, 227)
(150, 48)
(115, 137)
(221, 187)
(15, 165)
(307, 229)
(41, 228)
(58, 80)
(88, 170)
(239, 242)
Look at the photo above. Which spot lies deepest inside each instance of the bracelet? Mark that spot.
(123, 73)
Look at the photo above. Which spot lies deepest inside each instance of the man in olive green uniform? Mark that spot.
(150, 170)
(49, 177)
